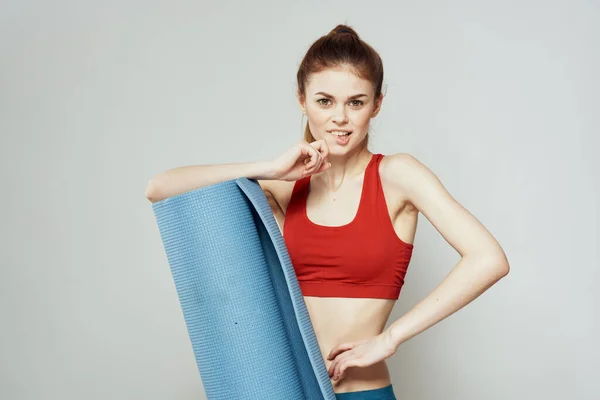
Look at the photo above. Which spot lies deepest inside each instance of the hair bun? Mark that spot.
(341, 29)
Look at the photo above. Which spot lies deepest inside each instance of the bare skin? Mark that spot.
(340, 320)
(332, 101)
(350, 331)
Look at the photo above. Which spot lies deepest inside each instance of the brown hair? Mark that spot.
(340, 47)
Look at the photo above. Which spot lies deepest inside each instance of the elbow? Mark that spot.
(503, 264)
(503, 269)
(506, 268)
(496, 266)
(153, 191)
(500, 266)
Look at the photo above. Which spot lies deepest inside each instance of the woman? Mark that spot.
(349, 217)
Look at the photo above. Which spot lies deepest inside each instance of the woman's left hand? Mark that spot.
(361, 353)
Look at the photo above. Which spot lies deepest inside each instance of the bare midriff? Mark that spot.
(340, 320)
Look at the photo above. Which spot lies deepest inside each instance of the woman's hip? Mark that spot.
(384, 393)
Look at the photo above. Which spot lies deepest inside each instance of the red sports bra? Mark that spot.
(364, 258)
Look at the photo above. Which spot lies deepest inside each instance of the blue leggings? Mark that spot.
(385, 393)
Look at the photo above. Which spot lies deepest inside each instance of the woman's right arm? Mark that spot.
(301, 160)
(184, 179)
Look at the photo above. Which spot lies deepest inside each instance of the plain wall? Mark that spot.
(500, 99)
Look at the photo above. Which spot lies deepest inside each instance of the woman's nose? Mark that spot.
(339, 115)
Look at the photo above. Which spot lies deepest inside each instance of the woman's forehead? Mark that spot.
(338, 82)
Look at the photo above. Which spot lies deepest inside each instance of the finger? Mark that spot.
(340, 366)
(337, 373)
(320, 162)
(343, 365)
(321, 145)
(316, 165)
(334, 364)
(306, 155)
(304, 148)
(323, 151)
(306, 151)
(313, 154)
(338, 349)
(343, 369)
(324, 166)
(331, 368)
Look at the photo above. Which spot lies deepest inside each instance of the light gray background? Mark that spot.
(500, 99)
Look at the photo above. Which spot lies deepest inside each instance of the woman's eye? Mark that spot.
(354, 103)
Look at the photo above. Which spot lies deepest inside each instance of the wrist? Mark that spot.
(262, 170)
(267, 170)
(396, 334)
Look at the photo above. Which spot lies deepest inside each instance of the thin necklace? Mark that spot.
(338, 187)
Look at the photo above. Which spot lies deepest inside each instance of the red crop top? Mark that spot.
(364, 258)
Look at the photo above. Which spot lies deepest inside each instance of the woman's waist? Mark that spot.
(337, 321)
(362, 378)
(346, 319)
(355, 378)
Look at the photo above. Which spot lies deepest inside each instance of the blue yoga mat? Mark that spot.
(245, 314)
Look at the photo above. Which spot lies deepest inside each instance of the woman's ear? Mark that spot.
(377, 106)
(302, 104)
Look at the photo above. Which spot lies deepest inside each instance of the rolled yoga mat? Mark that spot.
(243, 308)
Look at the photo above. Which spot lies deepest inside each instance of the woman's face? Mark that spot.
(337, 100)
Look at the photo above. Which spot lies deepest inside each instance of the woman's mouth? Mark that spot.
(341, 137)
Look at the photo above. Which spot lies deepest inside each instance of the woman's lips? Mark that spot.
(342, 139)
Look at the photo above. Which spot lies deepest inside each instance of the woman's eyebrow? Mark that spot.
(349, 98)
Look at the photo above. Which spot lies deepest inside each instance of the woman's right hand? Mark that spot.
(302, 160)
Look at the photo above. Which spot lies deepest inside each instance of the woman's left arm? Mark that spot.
(483, 263)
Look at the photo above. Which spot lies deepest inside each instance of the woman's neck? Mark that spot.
(344, 168)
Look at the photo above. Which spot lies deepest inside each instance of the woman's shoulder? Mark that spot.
(398, 173)
(395, 167)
